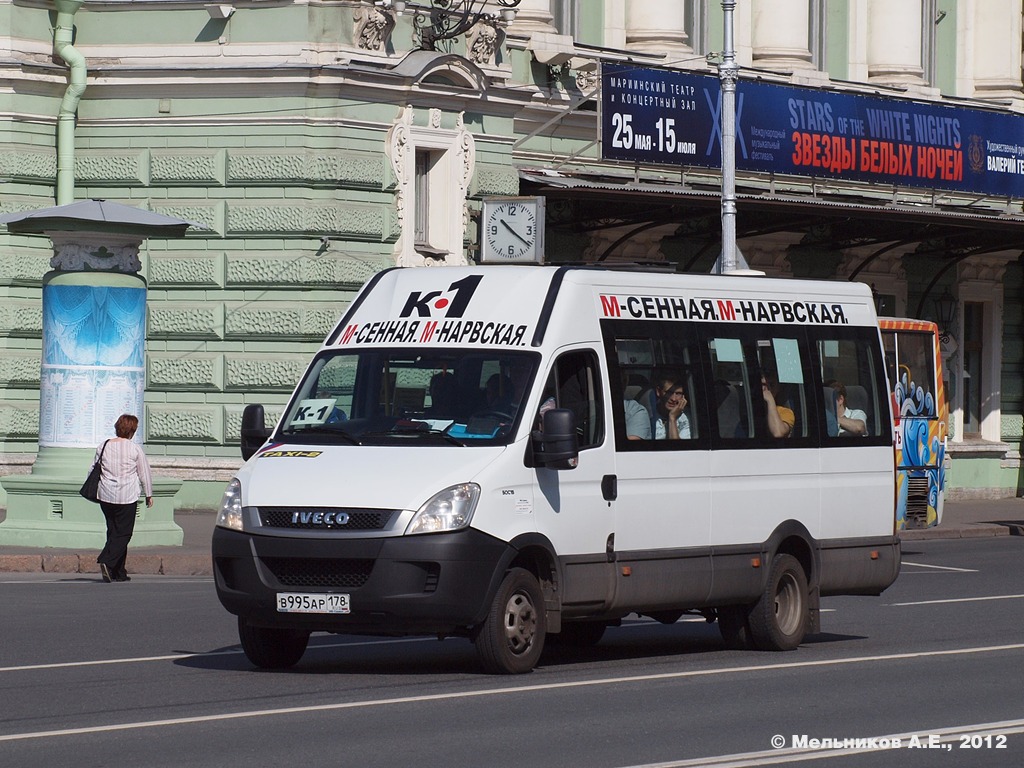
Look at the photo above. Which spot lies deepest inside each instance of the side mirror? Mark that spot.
(254, 430)
(556, 445)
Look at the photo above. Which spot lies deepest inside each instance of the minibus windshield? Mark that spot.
(400, 396)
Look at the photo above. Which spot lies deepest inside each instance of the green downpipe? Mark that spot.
(63, 35)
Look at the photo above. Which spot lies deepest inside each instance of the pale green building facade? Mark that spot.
(318, 142)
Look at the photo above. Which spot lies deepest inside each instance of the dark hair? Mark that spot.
(126, 425)
(839, 388)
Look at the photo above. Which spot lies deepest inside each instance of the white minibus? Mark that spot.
(516, 453)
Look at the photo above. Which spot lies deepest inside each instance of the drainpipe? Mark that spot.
(62, 37)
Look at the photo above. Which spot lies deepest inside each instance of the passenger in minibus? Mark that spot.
(638, 421)
(780, 418)
(672, 423)
(444, 396)
(852, 421)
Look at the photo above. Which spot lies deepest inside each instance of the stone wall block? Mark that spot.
(22, 319)
(21, 420)
(494, 180)
(185, 321)
(208, 217)
(124, 168)
(23, 266)
(190, 168)
(187, 270)
(184, 372)
(296, 270)
(176, 424)
(356, 222)
(278, 373)
(342, 169)
(29, 162)
(18, 370)
(283, 321)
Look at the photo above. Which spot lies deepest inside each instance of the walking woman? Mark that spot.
(123, 468)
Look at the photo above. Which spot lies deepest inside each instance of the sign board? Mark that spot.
(674, 118)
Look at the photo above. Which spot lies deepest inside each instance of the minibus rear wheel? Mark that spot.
(511, 638)
(778, 620)
(272, 648)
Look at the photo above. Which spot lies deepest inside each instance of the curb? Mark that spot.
(979, 531)
(163, 565)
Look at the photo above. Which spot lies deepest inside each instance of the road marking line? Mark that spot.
(321, 708)
(797, 754)
(942, 567)
(179, 656)
(961, 600)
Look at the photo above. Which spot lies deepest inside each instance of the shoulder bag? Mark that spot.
(91, 487)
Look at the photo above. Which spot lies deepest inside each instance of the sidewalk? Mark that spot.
(961, 520)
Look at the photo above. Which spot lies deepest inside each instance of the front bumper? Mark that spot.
(405, 585)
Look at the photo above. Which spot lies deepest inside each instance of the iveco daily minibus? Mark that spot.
(517, 453)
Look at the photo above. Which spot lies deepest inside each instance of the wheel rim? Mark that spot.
(520, 623)
(788, 604)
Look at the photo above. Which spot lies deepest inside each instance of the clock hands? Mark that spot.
(515, 234)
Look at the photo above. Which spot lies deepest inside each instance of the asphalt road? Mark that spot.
(149, 674)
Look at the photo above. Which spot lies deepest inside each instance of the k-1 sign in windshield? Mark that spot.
(658, 116)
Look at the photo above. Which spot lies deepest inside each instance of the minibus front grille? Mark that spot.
(326, 518)
(319, 572)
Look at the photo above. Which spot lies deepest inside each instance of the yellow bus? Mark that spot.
(913, 359)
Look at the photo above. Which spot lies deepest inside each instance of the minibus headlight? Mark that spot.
(230, 515)
(449, 510)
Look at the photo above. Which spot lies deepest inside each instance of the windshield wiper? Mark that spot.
(399, 431)
(323, 429)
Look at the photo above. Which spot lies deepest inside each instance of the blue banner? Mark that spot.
(674, 118)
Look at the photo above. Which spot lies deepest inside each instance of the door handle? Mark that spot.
(610, 487)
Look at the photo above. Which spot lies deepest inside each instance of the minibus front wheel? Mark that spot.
(778, 620)
(511, 638)
(272, 648)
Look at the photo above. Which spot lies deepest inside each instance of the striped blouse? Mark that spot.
(124, 467)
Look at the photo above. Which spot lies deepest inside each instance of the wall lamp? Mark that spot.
(945, 310)
(447, 19)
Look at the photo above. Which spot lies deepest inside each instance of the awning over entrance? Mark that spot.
(830, 217)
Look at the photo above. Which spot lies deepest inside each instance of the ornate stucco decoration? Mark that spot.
(75, 252)
(482, 41)
(372, 27)
(453, 153)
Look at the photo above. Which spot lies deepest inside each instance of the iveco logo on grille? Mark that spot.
(319, 518)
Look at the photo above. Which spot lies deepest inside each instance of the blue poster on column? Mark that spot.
(93, 362)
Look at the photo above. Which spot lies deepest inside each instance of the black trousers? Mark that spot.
(120, 527)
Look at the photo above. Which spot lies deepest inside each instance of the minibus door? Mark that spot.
(576, 507)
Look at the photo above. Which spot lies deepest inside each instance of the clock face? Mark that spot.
(511, 229)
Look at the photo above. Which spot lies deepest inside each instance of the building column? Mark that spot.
(655, 26)
(533, 16)
(894, 42)
(781, 35)
(996, 27)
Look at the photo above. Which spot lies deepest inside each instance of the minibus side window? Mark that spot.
(746, 366)
(574, 383)
(853, 400)
(655, 367)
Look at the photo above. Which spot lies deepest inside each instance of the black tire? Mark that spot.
(734, 626)
(578, 634)
(271, 648)
(511, 638)
(779, 619)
